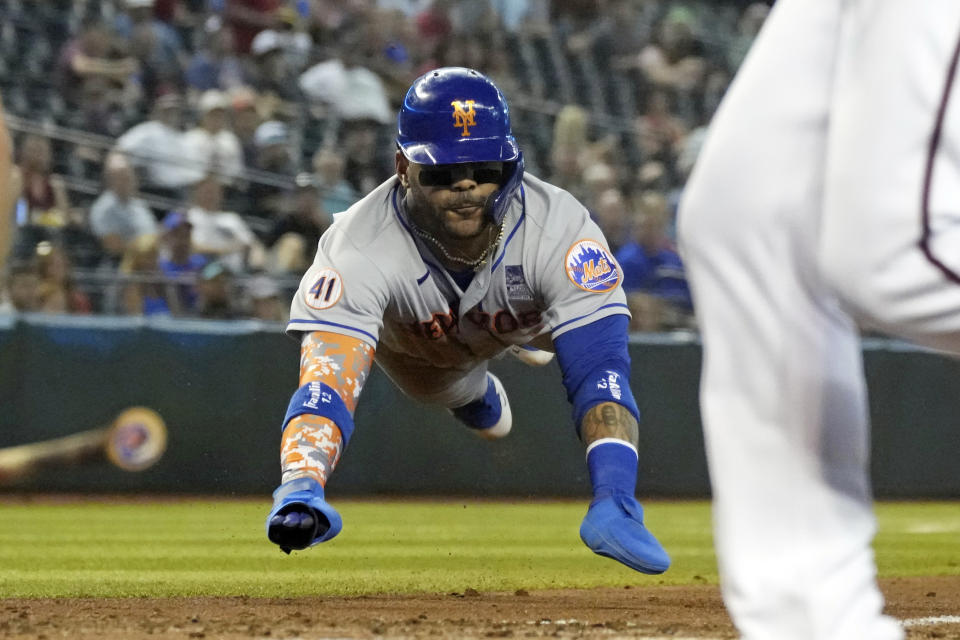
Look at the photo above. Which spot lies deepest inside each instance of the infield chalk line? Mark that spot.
(931, 620)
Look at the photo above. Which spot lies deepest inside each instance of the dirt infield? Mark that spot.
(931, 607)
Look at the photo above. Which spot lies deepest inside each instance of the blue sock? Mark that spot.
(613, 469)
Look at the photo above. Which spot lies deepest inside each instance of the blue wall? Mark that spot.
(223, 388)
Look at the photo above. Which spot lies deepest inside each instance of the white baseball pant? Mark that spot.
(827, 195)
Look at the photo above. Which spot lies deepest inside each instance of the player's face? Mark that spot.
(452, 197)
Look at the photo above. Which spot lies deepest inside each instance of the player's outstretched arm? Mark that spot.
(316, 429)
(596, 373)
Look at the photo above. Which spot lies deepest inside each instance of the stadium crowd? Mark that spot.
(182, 157)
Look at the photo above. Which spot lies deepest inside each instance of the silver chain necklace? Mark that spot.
(476, 264)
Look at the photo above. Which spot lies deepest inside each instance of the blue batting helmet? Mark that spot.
(454, 115)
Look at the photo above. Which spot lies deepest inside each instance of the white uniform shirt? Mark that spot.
(220, 152)
(162, 151)
(375, 280)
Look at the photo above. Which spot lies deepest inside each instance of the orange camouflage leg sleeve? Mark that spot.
(312, 444)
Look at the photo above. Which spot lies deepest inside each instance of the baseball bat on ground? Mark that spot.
(134, 441)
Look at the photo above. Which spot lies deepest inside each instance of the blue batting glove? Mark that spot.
(613, 527)
(300, 517)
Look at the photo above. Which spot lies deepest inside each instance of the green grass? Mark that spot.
(219, 548)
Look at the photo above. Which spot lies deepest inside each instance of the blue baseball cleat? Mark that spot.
(490, 416)
(300, 517)
(613, 527)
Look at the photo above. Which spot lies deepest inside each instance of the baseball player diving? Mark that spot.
(456, 259)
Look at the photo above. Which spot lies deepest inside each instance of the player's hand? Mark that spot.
(300, 516)
(613, 527)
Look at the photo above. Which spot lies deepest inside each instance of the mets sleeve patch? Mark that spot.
(591, 267)
(326, 289)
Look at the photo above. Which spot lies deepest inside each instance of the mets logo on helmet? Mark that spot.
(591, 267)
(463, 115)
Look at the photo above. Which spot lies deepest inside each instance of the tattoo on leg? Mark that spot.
(609, 420)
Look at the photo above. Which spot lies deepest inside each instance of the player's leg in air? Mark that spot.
(489, 415)
(783, 396)
(472, 394)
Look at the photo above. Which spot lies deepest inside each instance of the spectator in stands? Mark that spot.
(157, 148)
(215, 65)
(289, 31)
(653, 277)
(117, 216)
(43, 192)
(660, 133)
(222, 235)
(102, 110)
(352, 91)
(216, 293)
(579, 25)
(93, 55)
(23, 286)
(266, 304)
(212, 142)
(247, 18)
(179, 262)
(623, 29)
(145, 292)
(435, 34)
(652, 175)
(597, 177)
(366, 166)
(611, 211)
(566, 171)
(390, 45)
(676, 57)
(99, 82)
(274, 155)
(569, 141)
(272, 71)
(306, 218)
(245, 120)
(155, 44)
(336, 192)
(329, 19)
(57, 290)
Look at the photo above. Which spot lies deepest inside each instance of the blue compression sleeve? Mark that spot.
(321, 400)
(596, 365)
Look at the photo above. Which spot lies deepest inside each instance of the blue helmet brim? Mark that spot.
(463, 150)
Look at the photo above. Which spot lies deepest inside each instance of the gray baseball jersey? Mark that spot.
(374, 279)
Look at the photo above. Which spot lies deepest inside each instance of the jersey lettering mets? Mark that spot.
(374, 279)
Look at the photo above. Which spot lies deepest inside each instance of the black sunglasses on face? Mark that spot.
(444, 175)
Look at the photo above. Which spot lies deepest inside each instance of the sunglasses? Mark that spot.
(444, 175)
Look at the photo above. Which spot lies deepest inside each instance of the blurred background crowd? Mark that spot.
(182, 157)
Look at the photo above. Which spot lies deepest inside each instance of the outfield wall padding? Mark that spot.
(223, 388)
